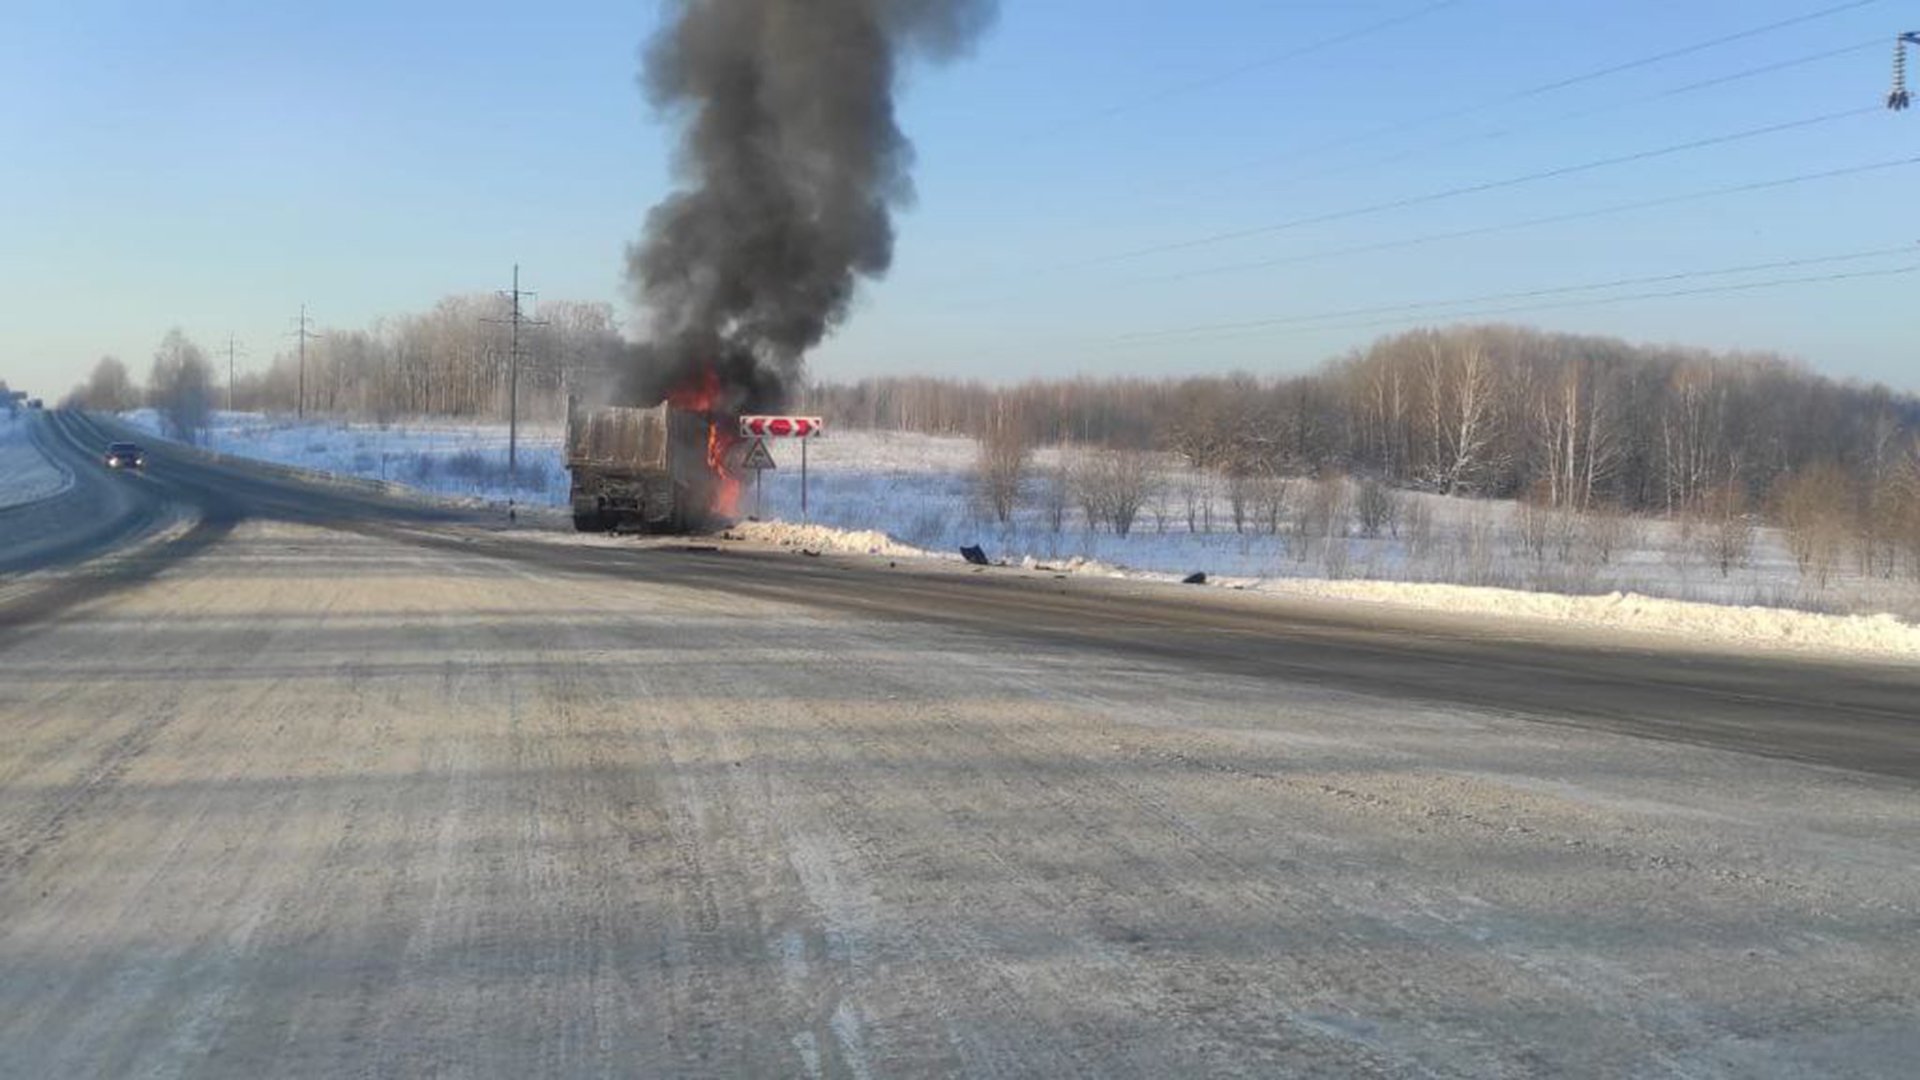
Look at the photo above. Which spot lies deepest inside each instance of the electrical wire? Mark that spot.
(1232, 73)
(1590, 76)
(1529, 294)
(1581, 114)
(1550, 219)
(1490, 185)
(1749, 286)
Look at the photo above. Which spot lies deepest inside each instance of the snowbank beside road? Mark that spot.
(1770, 628)
(26, 474)
(825, 538)
(1880, 636)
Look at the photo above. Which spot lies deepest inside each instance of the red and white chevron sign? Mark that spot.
(782, 427)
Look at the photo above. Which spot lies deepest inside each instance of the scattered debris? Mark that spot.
(974, 554)
(810, 553)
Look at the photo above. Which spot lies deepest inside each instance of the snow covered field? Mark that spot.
(892, 493)
(919, 490)
(25, 473)
(433, 455)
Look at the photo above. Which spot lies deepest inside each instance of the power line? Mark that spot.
(1529, 294)
(1372, 164)
(1688, 50)
(1749, 286)
(1232, 73)
(1476, 231)
(1491, 185)
(1748, 73)
(1550, 219)
(1579, 114)
(1591, 76)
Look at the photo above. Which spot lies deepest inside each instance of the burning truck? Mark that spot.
(658, 469)
(789, 166)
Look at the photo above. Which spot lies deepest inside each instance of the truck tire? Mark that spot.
(591, 521)
(676, 522)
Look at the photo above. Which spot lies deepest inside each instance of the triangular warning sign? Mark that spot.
(758, 457)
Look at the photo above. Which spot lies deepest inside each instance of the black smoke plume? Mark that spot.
(789, 167)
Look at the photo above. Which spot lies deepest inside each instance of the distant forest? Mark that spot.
(1575, 422)
(1499, 411)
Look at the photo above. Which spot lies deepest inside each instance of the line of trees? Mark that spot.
(453, 360)
(180, 387)
(1567, 422)
(1502, 411)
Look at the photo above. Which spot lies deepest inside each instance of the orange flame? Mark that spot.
(703, 395)
(726, 493)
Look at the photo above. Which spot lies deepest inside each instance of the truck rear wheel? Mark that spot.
(681, 521)
(591, 521)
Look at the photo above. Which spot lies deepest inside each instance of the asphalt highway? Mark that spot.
(305, 779)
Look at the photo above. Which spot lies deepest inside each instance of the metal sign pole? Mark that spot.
(762, 428)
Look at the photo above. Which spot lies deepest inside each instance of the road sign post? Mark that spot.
(759, 460)
(804, 428)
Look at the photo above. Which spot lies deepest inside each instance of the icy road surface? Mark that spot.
(316, 785)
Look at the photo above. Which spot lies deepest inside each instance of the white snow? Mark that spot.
(443, 457)
(903, 496)
(1720, 623)
(26, 475)
(827, 538)
(898, 495)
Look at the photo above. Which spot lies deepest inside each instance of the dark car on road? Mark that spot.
(125, 455)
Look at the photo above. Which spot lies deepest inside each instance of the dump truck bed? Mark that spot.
(621, 439)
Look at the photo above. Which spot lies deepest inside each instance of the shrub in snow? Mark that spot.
(1376, 508)
(1004, 454)
(1419, 526)
(1056, 497)
(1113, 486)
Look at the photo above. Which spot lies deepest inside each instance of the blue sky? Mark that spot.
(214, 165)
